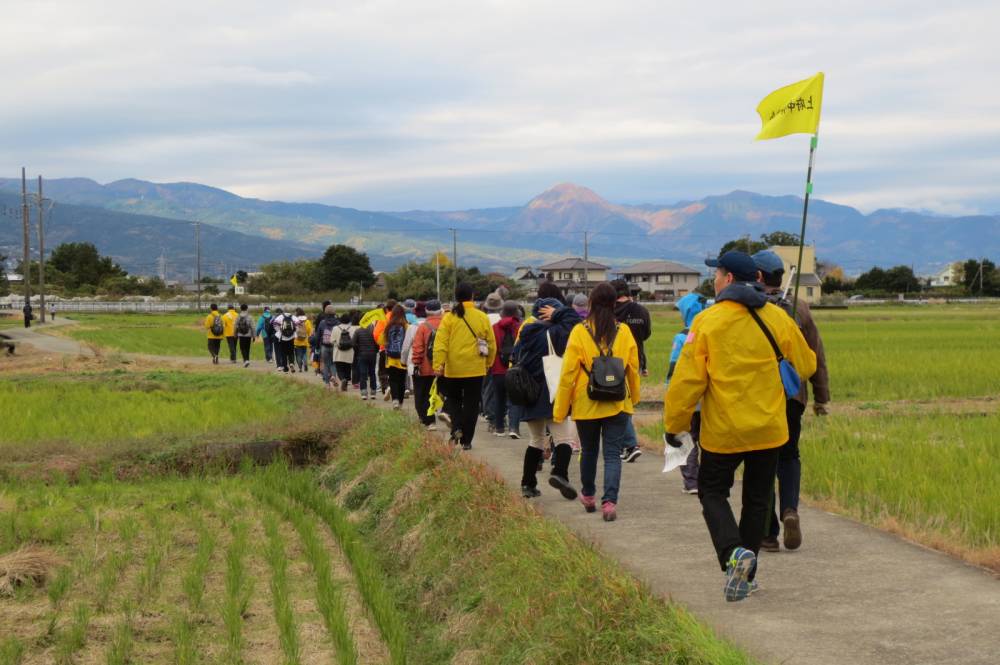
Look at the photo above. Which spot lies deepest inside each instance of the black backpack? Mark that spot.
(522, 389)
(217, 326)
(506, 348)
(345, 343)
(287, 326)
(243, 326)
(607, 375)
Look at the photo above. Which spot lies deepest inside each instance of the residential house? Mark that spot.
(574, 275)
(810, 285)
(661, 280)
(950, 276)
(527, 279)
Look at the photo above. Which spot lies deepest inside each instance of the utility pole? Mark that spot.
(586, 260)
(26, 278)
(454, 255)
(197, 241)
(437, 270)
(41, 250)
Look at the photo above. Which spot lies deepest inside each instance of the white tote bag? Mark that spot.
(552, 366)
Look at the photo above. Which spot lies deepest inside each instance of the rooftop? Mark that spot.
(659, 268)
(574, 263)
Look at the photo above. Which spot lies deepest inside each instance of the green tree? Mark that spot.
(341, 266)
(80, 264)
(980, 277)
(780, 239)
(873, 280)
(898, 279)
(287, 278)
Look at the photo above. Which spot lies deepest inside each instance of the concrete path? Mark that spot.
(852, 595)
(36, 337)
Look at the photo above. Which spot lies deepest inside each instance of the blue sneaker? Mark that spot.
(741, 564)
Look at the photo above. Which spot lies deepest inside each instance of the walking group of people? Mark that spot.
(570, 372)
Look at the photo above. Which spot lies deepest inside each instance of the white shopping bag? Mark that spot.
(675, 457)
(552, 366)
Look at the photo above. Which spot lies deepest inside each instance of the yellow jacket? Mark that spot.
(728, 363)
(309, 332)
(577, 362)
(229, 323)
(208, 325)
(455, 346)
(383, 341)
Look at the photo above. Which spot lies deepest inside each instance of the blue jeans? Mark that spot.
(268, 348)
(326, 364)
(789, 468)
(514, 417)
(613, 430)
(366, 372)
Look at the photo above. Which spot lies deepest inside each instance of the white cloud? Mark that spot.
(443, 104)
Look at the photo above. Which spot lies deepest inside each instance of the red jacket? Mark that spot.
(502, 328)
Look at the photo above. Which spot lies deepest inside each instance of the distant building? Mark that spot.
(527, 279)
(380, 280)
(662, 280)
(950, 276)
(810, 285)
(574, 275)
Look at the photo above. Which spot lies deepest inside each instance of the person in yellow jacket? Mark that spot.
(391, 337)
(464, 347)
(729, 364)
(596, 419)
(229, 330)
(303, 331)
(216, 327)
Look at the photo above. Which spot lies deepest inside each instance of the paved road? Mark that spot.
(852, 595)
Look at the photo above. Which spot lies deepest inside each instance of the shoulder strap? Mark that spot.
(767, 333)
(611, 343)
(469, 327)
(548, 337)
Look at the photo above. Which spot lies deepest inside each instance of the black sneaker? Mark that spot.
(631, 454)
(456, 437)
(466, 446)
(530, 492)
(562, 484)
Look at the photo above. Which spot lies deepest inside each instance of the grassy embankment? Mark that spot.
(912, 443)
(399, 552)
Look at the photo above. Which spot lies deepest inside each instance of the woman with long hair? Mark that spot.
(464, 348)
(601, 403)
(391, 338)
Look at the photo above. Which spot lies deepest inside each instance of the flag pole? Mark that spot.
(814, 140)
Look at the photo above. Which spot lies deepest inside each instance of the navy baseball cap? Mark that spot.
(768, 262)
(739, 263)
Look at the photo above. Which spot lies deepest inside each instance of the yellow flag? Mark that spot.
(793, 109)
(232, 280)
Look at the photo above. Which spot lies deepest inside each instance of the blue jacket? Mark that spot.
(533, 345)
(264, 328)
(689, 306)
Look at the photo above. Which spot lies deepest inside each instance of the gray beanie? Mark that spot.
(580, 301)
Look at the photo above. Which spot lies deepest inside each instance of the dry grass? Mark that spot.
(26, 565)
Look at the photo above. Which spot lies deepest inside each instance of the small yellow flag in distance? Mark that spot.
(232, 280)
(793, 109)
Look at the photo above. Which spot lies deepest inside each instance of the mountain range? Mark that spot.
(135, 221)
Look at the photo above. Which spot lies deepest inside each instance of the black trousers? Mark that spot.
(383, 372)
(231, 343)
(285, 353)
(214, 346)
(422, 397)
(245, 343)
(715, 479)
(463, 405)
(397, 383)
(343, 372)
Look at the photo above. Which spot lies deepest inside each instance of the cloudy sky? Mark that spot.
(446, 105)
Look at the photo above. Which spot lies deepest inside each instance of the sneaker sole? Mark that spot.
(563, 486)
(633, 456)
(793, 534)
(738, 584)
